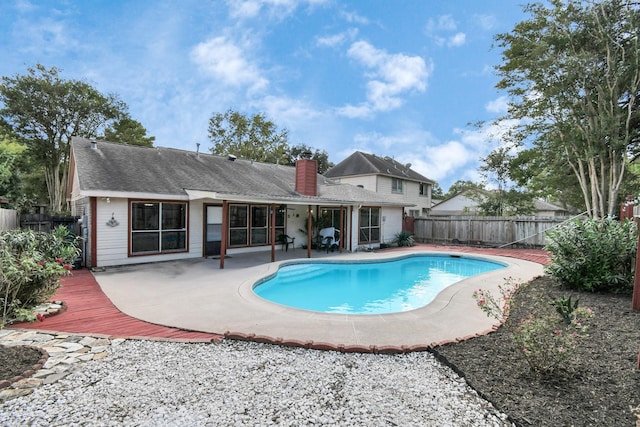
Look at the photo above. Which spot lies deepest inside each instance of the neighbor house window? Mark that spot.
(158, 227)
(424, 189)
(369, 225)
(396, 185)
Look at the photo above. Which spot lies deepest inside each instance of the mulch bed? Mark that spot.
(602, 387)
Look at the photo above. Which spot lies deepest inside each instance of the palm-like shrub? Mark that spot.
(404, 238)
(595, 255)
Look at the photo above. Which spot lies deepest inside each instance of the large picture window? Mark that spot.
(158, 227)
(369, 225)
(249, 225)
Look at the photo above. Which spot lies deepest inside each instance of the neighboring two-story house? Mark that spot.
(387, 177)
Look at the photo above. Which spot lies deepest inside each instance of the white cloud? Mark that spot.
(456, 40)
(498, 106)
(277, 9)
(337, 39)
(390, 76)
(46, 36)
(353, 17)
(226, 61)
(486, 22)
(442, 23)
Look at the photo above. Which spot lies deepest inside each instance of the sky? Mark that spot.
(404, 78)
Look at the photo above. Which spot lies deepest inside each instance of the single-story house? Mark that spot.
(464, 204)
(387, 177)
(141, 204)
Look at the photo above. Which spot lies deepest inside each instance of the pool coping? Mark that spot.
(198, 297)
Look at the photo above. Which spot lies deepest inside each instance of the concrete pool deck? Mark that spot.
(196, 295)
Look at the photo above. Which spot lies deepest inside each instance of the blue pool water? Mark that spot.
(380, 287)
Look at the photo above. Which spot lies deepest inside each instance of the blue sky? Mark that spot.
(402, 78)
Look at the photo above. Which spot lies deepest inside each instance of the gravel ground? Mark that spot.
(147, 383)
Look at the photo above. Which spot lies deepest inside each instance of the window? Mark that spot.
(281, 215)
(259, 223)
(238, 225)
(396, 185)
(158, 227)
(331, 217)
(369, 225)
(424, 189)
(249, 225)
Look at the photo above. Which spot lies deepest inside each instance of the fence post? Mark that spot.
(635, 301)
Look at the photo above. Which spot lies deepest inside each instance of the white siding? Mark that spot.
(410, 193)
(112, 242)
(368, 182)
(391, 223)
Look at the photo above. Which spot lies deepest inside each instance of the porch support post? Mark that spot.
(93, 229)
(273, 233)
(225, 227)
(309, 231)
(341, 245)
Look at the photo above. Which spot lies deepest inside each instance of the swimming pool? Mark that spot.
(369, 287)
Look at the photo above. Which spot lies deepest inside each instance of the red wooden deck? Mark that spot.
(89, 311)
(535, 255)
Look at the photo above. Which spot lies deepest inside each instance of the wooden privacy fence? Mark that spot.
(485, 230)
(8, 219)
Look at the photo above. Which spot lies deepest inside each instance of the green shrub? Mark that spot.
(31, 265)
(404, 238)
(546, 339)
(594, 255)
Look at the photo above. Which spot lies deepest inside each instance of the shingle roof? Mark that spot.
(120, 168)
(360, 163)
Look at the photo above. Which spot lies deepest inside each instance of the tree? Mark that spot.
(461, 186)
(572, 72)
(45, 111)
(254, 138)
(128, 131)
(507, 199)
(302, 151)
(11, 154)
(436, 191)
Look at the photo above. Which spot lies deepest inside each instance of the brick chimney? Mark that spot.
(307, 177)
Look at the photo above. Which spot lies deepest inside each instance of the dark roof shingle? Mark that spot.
(360, 163)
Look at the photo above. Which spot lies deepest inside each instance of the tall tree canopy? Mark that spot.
(128, 131)
(573, 75)
(257, 138)
(303, 151)
(45, 111)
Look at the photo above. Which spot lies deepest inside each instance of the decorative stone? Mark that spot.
(54, 377)
(100, 355)
(28, 383)
(12, 393)
(71, 346)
